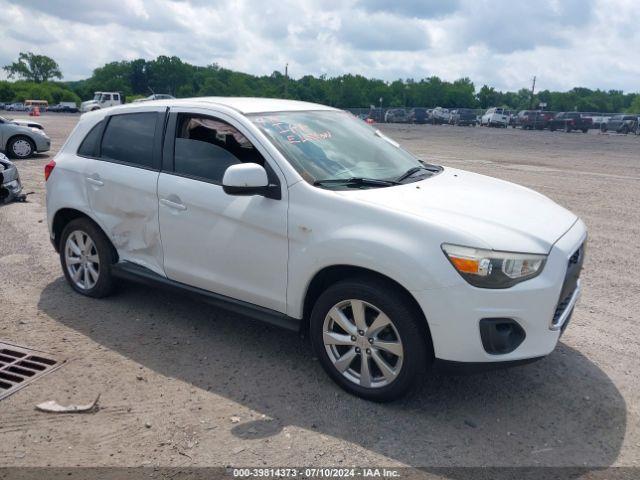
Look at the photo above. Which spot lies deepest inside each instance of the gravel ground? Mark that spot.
(184, 384)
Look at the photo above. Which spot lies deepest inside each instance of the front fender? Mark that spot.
(327, 230)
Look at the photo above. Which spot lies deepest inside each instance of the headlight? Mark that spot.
(38, 130)
(493, 269)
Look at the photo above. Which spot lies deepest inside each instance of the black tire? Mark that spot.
(15, 141)
(552, 128)
(409, 324)
(585, 130)
(624, 129)
(104, 250)
(567, 129)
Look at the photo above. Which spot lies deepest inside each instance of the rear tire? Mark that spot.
(86, 257)
(343, 345)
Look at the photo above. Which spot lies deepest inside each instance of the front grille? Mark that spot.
(574, 266)
(19, 366)
(575, 257)
(561, 308)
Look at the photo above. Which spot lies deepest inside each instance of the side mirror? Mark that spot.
(248, 179)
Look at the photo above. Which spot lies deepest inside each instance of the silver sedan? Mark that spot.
(21, 140)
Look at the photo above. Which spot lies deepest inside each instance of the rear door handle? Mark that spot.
(95, 180)
(174, 205)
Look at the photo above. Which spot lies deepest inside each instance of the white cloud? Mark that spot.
(503, 43)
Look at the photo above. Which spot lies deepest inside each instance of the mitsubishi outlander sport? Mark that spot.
(302, 216)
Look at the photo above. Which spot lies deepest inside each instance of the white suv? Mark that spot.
(305, 217)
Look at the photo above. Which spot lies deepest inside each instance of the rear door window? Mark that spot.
(129, 139)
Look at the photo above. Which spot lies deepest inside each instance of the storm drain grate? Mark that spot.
(20, 366)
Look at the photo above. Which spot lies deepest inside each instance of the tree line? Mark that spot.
(139, 78)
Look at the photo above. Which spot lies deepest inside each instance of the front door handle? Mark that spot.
(95, 180)
(173, 205)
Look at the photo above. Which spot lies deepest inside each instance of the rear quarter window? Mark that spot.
(129, 138)
(91, 143)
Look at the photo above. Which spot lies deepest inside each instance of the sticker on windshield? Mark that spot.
(293, 132)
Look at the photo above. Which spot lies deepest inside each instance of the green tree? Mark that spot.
(635, 105)
(487, 97)
(35, 68)
(172, 75)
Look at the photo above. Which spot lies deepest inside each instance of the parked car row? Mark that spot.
(569, 121)
(436, 116)
(62, 107)
(501, 117)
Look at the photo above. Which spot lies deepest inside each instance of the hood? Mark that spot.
(503, 215)
(27, 123)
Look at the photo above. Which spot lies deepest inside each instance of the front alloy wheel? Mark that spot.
(363, 344)
(371, 338)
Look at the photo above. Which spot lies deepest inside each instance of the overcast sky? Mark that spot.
(503, 43)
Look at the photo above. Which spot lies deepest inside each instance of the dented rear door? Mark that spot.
(122, 183)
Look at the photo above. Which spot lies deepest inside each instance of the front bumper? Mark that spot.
(43, 143)
(454, 313)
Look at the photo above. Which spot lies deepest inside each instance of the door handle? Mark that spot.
(173, 205)
(95, 180)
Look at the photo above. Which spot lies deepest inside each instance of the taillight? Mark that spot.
(48, 168)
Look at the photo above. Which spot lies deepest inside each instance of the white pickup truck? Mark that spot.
(102, 100)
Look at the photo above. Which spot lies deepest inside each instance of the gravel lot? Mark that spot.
(184, 384)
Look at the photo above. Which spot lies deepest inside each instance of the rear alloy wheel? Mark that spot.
(86, 257)
(82, 260)
(21, 147)
(368, 339)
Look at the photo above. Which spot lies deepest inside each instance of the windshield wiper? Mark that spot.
(410, 172)
(375, 182)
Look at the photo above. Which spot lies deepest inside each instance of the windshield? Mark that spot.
(324, 145)
(97, 96)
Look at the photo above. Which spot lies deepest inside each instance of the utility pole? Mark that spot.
(533, 90)
(286, 79)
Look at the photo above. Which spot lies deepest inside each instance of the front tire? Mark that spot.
(21, 147)
(86, 256)
(369, 339)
